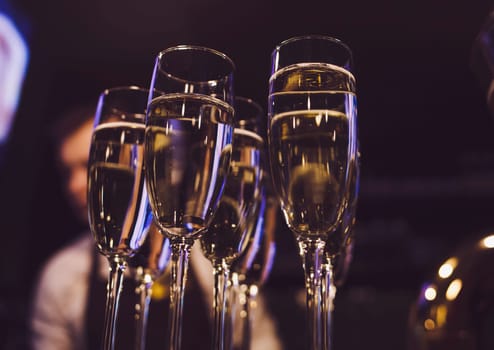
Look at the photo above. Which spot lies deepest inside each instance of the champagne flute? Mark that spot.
(227, 235)
(248, 116)
(312, 137)
(117, 197)
(149, 264)
(189, 128)
(338, 252)
(251, 270)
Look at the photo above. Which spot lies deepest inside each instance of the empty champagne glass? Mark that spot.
(117, 197)
(312, 137)
(189, 128)
(149, 264)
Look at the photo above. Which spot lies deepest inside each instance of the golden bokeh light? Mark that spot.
(454, 289)
(447, 269)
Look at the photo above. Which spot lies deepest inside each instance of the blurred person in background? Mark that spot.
(69, 299)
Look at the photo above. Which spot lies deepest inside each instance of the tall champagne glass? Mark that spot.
(149, 264)
(117, 197)
(312, 137)
(248, 116)
(189, 128)
(251, 270)
(227, 235)
(338, 251)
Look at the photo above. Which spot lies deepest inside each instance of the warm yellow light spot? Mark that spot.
(430, 293)
(441, 313)
(160, 288)
(488, 242)
(429, 324)
(454, 289)
(446, 269)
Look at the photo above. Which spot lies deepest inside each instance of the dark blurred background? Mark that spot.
(426, 136)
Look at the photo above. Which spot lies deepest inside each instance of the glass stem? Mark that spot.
(250, 304)
(113, 290)
(312, 252)
(328, 294)
(221, 276)
(231, 313)
(180, 261)
(143, 291)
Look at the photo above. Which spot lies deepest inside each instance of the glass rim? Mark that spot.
(250, 101)
(321, 38)
(107, 91)
(184, 47)
(328, 38)
(110, 94)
